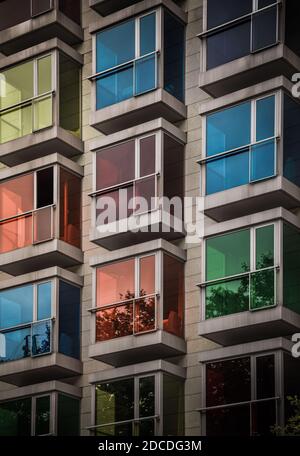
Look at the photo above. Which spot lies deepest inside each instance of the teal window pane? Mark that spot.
(227, 172)
(147, 34)
(228, 255)
(44, 301)
(228, 129)
(15, 418)
(263, 160)
(291, 267)
(145, 74)
(262, 288)
(41, 338)
(227, 298)
(42, 417)
(265, 118)
(68, 415)
(16, 306)
(114, 87)
(15, 344)
(115, 46)
(264, 246)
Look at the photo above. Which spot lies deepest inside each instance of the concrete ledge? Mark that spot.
(105, 7)
(40, 388)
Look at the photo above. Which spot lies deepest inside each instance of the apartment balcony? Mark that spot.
(27, 23)
(46, 409)
(131, 86)
(134, 317)
(40, 103)
(131, 205)
(154, 383)
(40, 327)
(106, 7)
(256, 295)
(250, 161)
(242, 46)
(40, 220)
(255, 381)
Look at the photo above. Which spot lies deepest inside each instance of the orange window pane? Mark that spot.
(16, 196)
(15, 234)
(115, 282)
(42, 225)
(114, 322)
(70, 208)
(173, 293)
(147, 275)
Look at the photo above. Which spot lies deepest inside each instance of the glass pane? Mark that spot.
(42, 113)
(227, 298)
(144, 315)
(264, 29)
(13, 12)
(263, 160)
(262, 289)
(228, 421)
(222, 11)
(13, 199)
(228, 129)
(263, 418)
(174, 56)
(44, 292)
(291, 382)
(147, 155)
(265, 118)
(228, 45)
(16, 84)
(70, 208)
(116, 430)
(265, 376)
(228, 382)
(115, 45)
(16, 306)
(114, 402)
(40, 6)
(147, 34)
(147, 397)
(114, 322)
(173, 164)
(227, 172)
(173, 289)
(146, 428)
(42, 417)
(68, 415)
(15, 418)
(16, 123)
(263, 3)
(291, 267)
(228, 254)
(44, 184)
(41, 338)
(145, 74)
(44, 75)
(15, 234)
(264, 246)
(115, 282)
(42, 225)
(147, 275)
(145, 193)
(291, 140)
(173, 406)
(115, 165)
(115, 87)
(113, 206)
(69, 95)
(15, 344)
(71, 8)
(69, 320)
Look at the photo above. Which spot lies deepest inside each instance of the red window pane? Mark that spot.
(115, 165)
(147, 275)
(15, 234)
(16, 196)
(114, 322)
(147, 156)
(115, 282)
(144, 315)
(113, 206)
(173, 288)
(70, 208)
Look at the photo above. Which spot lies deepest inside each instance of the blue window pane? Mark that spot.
(145, 79)
(44, 301)
(115, 45)
(228, 129)
(263, 160)
(15, 344)
(69, 320)
(264, 29)
(265, 118)
(225, 173)
(41, 338)
(115, 87)
(16, 306)
(147, 34)
(222, 11)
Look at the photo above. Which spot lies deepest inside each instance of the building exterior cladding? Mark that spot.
(161, 332)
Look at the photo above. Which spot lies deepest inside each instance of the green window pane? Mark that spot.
(264, 247)
(262, 289)
(147, 396)
(226, 298)
(16, 84)
(16, 123)
(228, 255)
(68, 415)
(43, 113)
(42, 417)
(44, 75)
(291, 268)
(15, 418)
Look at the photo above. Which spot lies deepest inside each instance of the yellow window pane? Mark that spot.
(43, 113)
(16, 123)
(44, 75)
(16, 84)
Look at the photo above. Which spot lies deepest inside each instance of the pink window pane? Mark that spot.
(16, 196)
(173, 288)
(147, 156)
(144, 194)
(113, 206)
(115, 282)
(114, 322)
(42, 225)
(147, 275)
(15, 234)
(70, 208)
(115, 165)
(145, 315)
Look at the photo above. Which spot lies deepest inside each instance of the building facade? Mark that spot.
(171, 311)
